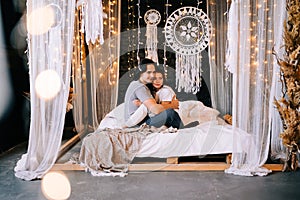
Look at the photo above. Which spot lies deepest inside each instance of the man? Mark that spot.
(137, 90)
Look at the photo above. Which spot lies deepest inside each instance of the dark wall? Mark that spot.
(129, 21)
(14, 126)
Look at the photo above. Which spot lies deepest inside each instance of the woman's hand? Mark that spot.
(171, 104)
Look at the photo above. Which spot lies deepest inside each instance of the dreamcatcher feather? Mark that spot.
(92, 23)
(152, 18)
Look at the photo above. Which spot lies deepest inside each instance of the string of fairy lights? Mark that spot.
(110, 30)
(260, 45)
(131, 30)
(138, 32)
(134, 37)
(79, 53)
(166, 14)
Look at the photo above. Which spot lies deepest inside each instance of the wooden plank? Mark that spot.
(67, 167)
(228, 158)
(172, 160)
(153, 167)
(179, 167)
(274, 167)
(70, 143)
(190, 166)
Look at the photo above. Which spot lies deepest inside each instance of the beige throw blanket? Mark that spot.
(112, 150)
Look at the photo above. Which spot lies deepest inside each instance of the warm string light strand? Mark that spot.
(110, 29)
(138, 32)
(198, 39)
(258, 46)
(82, 46)
(166, 14)
(131, 38)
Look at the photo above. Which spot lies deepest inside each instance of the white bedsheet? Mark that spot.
(204, 139)
(211, 136)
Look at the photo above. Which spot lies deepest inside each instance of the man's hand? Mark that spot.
(137, 102)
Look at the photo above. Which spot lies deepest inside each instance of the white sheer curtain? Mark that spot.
(50, 26)
(251, 36)
(277, 148)
(220, 78)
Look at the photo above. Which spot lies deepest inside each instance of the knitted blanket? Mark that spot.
(110, 151)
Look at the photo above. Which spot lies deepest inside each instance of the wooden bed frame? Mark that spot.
(171, 164)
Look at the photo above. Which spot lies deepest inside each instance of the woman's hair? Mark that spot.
(160, 69)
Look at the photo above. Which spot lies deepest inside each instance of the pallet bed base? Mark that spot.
(171, 164)
(213, 166)
(167, 167)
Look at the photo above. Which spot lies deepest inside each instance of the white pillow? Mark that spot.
(114, 119)
(190, 111)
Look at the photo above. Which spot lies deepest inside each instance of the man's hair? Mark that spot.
(142, 67)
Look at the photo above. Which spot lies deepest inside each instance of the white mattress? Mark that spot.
(207, 138)
(211, 136)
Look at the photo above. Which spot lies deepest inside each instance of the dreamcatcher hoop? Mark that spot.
(188, 32)
(152, 17)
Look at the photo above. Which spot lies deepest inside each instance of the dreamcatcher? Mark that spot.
(187, 32)
(152, 18)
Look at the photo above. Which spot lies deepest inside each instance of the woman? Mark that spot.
(163, 95)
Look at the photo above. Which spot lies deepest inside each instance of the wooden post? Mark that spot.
(172, 160)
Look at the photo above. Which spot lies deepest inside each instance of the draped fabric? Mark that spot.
(277, 148)
(49, 50)
(92, 20)
(252, 33)
(96, 71)
(220, 78)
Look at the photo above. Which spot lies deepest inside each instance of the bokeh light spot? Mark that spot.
(40, 20)
(47, 84)
(55, 185)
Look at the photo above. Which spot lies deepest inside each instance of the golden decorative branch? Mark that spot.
(289, 105)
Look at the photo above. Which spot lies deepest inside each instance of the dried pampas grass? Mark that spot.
(289, 105)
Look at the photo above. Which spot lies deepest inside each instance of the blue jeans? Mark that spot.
(168, 118)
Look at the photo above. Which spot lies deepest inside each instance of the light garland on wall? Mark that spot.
(166, 14)
(79, 55)
(107, 52)
(138, 32)
(131, 38)
(110, 30)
